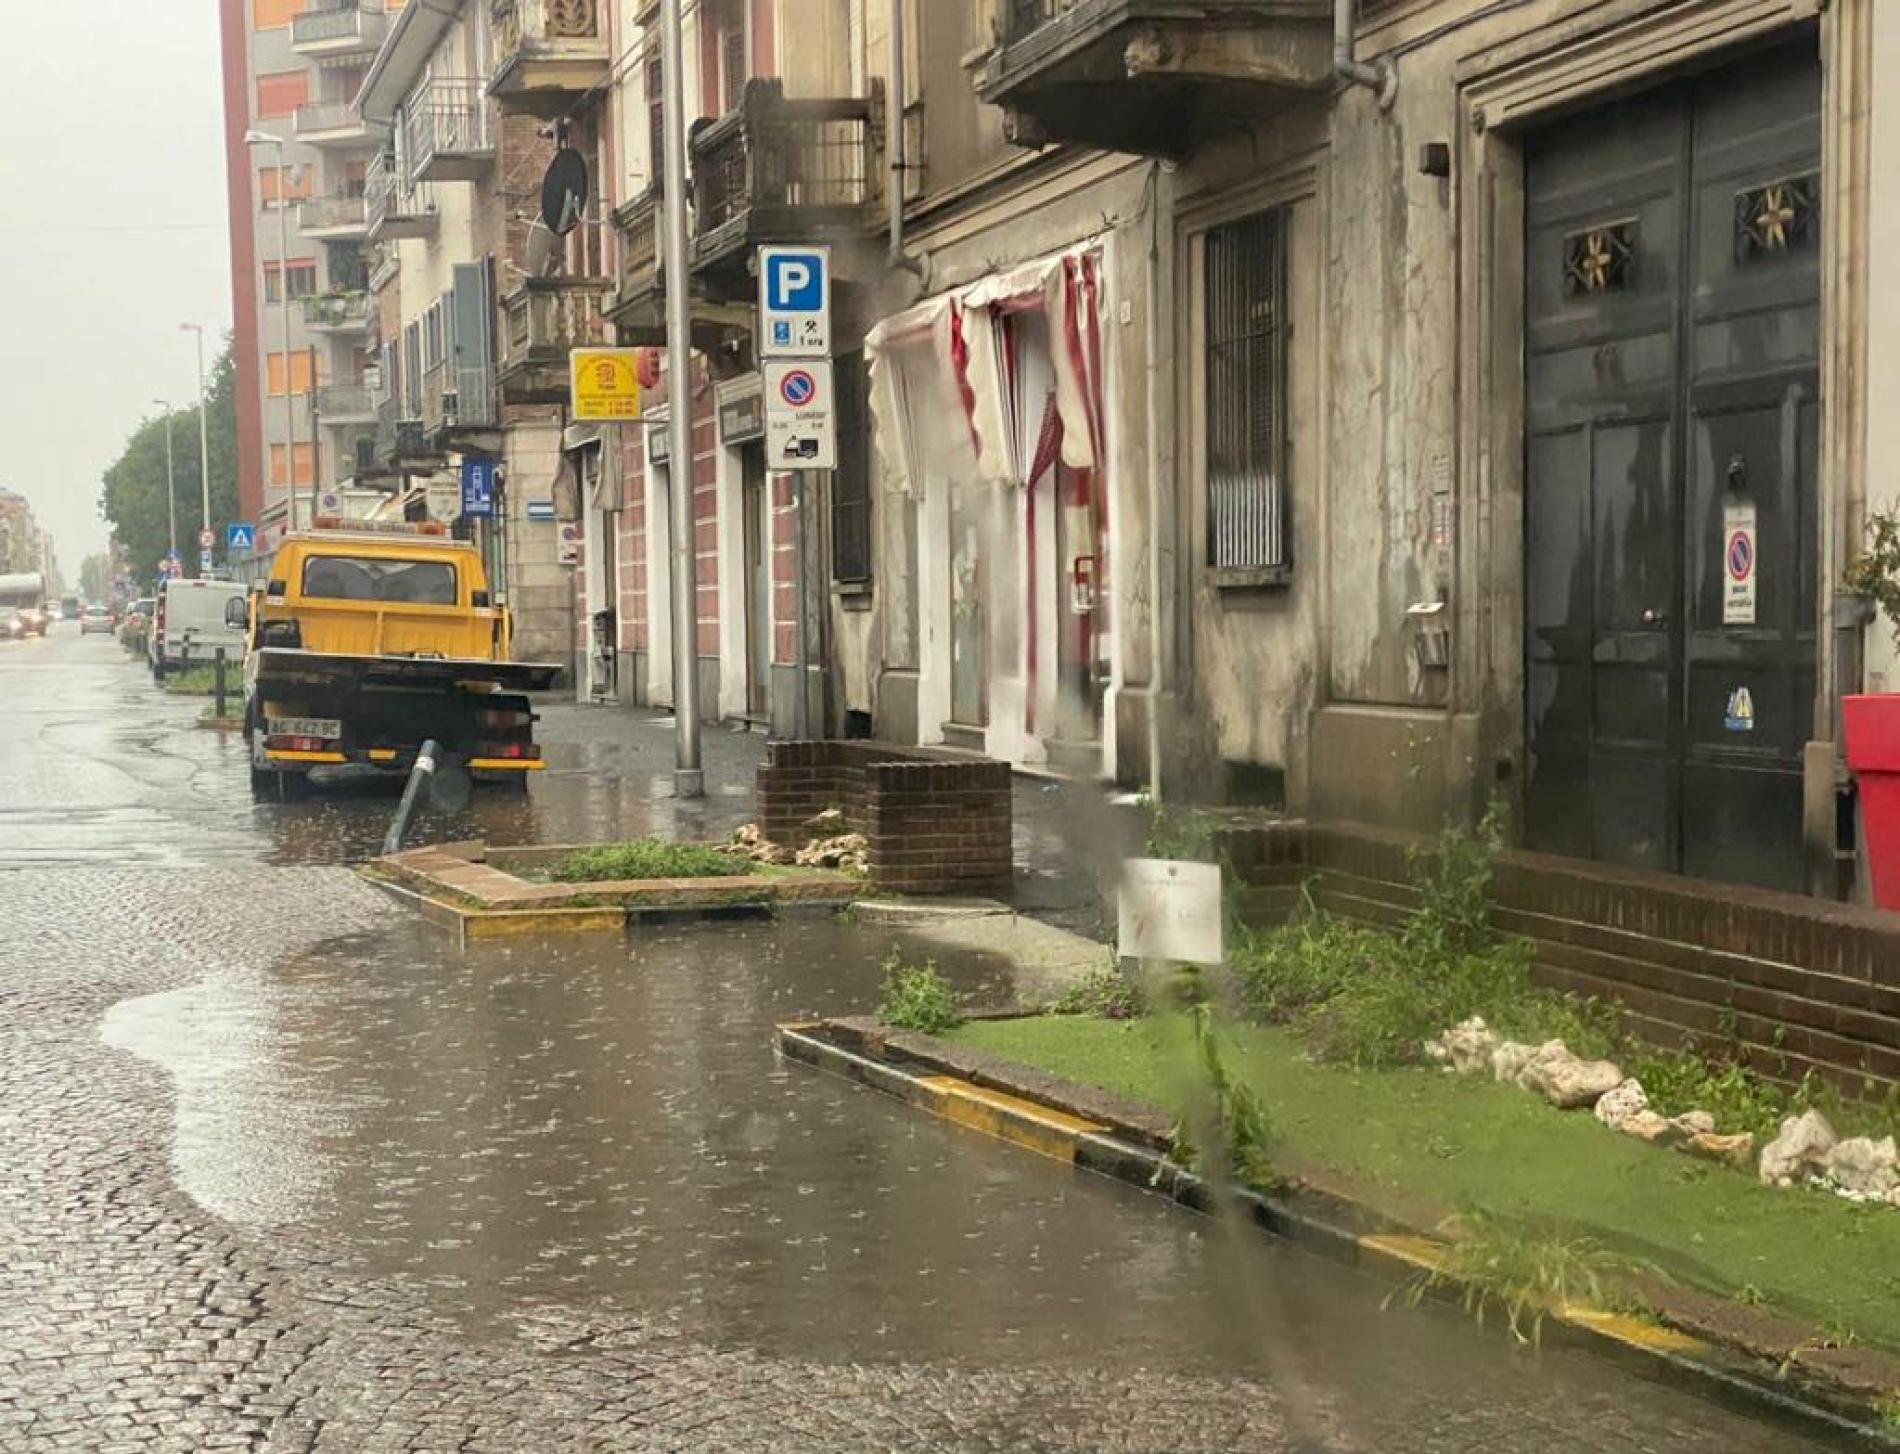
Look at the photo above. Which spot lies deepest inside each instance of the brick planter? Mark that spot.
(935, 824)
(1801, 983)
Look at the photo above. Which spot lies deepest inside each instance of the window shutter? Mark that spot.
(471, 313)
(851, 482)
(1244, 267)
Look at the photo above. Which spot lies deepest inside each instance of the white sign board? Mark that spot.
(205, 538)
(794, 302)
(442, 499)
(1738, 565)
(571, 540)
(801, 426)
(1170, 910)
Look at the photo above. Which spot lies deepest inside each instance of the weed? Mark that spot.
(918, 998)
(1526, 1270)
(1887, 1410)
(1178, 833)
(1105, 993)
(644, 858)
(202, 681)
(1241, 1123)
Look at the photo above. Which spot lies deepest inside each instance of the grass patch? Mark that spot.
(1106, 993)
(202, 681)
(642, 858)
(1415, 1135)
(916, 997)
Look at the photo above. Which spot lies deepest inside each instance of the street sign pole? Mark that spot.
(689, 780)
(801, 640)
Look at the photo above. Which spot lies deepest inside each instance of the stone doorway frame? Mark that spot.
(1503, 89)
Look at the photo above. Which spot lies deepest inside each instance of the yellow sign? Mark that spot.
(603, 385)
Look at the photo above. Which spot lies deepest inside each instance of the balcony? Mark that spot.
(338, 312)
(1152, 77)
(543, 319)
(778, 170)
(337, 218)
(457, 399)
(637, 305)
(345, 405)
(398, 207)
(331, 28)
(331, 123)
(399, 439)
(448, 132)
(550, 53)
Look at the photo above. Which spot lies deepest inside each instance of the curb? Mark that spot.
(1331, 1226)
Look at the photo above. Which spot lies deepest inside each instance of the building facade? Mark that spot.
(298, 227)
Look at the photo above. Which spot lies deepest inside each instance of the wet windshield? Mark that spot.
(368, 578)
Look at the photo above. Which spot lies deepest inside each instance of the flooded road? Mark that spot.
(561, 1194)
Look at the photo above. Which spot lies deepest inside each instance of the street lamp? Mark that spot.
(204, 437)
(171, 491)
(255, 137)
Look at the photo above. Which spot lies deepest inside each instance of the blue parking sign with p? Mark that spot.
(795, 301)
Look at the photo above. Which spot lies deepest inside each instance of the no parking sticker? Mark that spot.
(1739, 564)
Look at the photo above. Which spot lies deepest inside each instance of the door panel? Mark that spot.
(1672, 327)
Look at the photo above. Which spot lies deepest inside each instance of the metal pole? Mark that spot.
(204, 440)
(801, 640)
(217, 684)
(689, 780)
(316, 442)
(171, 488)
(283, 308)
(419, 776)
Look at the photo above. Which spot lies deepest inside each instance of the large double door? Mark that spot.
(1673, 409)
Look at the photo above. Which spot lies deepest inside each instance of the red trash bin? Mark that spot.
(1871, 726)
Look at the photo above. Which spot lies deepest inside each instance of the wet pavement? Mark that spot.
(282, 1170)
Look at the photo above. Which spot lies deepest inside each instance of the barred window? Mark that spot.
(851, 483)
(1247, 508)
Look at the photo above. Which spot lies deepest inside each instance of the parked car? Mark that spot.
(189, 625)
(95, 618)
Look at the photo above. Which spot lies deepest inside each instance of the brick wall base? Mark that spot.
(934, 824)
(1799, 984)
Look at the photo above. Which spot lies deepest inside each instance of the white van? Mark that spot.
(188, 626)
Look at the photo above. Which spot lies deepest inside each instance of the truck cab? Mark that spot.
(365, 642)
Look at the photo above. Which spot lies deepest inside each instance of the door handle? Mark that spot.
(1653, 617)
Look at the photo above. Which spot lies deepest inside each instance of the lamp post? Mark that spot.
(255, 137)
(171, 491)
(689, 779)
(204, 436)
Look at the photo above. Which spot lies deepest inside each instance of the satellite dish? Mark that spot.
(564, 192)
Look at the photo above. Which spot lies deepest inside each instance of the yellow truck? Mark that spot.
(366, 642)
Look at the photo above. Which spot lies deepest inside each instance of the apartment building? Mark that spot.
(1353, 422)
(297, 158)
(26, 548)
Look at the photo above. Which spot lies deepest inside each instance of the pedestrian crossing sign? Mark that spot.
(240, 536)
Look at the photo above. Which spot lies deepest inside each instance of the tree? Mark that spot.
(95, 577)
(132, 496)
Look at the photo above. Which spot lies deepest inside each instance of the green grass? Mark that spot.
(201, 681)
(643, 858)
(1451, 1142)
(917, 997)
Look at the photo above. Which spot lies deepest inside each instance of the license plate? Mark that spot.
(325, 727)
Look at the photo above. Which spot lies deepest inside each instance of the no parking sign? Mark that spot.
(1739, 564)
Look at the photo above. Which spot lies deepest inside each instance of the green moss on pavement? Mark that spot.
(1456, 1142)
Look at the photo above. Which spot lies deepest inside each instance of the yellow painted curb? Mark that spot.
(507, 923)
(1006, 1117)
(1636, 1332)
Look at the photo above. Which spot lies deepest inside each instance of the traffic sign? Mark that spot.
(800, 416)
(478, 487)
(1739, 563)
(204, 561)
(794, 302)
(603, 385)
(205, 538)
(240, 537)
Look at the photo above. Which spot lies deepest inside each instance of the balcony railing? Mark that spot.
(339, 27)
(397, 206)
(549, 316)
(455, 398)
(788, 170)
(328, 120)
(546, 51)
(342, 312)
(345, 404)
(448, 132)
(338, 215)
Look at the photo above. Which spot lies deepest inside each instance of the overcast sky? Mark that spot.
(112, 233)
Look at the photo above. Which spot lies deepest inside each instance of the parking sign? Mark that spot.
(794, 302)
(800, 426)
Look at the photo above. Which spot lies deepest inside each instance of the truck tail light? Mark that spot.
(505, 719)
(518, 751)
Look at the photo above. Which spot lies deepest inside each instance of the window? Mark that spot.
(274, 14)
(303, 461)
(1244, 277)
(432, 339)
(303, 279)
(281, 92)
(412, 371)
(851, 483)
(734, 65)
(368, 578)
(274, 187)
(656, 126)
(299, 372)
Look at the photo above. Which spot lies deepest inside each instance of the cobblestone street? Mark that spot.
(283, 1171)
